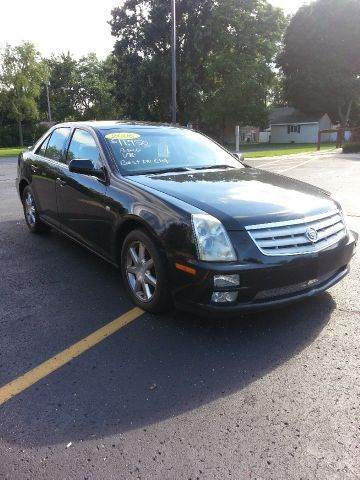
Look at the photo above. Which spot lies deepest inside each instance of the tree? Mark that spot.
(225, 50)
(22, 74)
(94, 88)
(239, 67)
(321, 60)
(276, 94)
(80, 89)
(62, 88)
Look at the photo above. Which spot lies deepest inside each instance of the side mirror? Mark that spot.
(86, 167)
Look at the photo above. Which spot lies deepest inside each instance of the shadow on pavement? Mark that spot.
(151, 370)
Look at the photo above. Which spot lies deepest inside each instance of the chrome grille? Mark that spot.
(294, 237)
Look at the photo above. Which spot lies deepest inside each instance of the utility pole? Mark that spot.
(237, 138)
(48, 101)
(173, 60)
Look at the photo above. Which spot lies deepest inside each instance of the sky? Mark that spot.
(78, 26)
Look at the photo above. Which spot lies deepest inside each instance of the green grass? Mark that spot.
(274, 150)
(10, 152)
(255, 150)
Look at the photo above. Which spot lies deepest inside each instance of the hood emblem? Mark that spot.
(311, 234)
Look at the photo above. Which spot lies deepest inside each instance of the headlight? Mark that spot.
(212, 241)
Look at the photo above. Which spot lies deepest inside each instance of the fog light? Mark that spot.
(227, 280)
(222, 281)
(224, 297)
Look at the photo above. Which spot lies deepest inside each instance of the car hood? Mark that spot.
(241, 197)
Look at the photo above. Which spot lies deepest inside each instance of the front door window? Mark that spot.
(83, 147)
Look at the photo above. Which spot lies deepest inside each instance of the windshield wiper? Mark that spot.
(160, 171)
(168, 170)
(208, 167)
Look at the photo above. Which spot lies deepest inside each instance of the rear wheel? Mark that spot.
(144, 272)
(31, 215)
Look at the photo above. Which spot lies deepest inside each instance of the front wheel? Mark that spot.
(31, 215)
(144, 273)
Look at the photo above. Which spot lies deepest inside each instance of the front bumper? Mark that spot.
(265, 282)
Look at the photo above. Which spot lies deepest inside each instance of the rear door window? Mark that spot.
(55, 147)
(42, 149)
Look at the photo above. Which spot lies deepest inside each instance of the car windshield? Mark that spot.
(165, 149)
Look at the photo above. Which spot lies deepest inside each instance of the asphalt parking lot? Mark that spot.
(274, 395)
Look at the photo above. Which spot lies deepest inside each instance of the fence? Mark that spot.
(342, 135)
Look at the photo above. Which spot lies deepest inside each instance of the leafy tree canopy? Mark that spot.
(94, 88)
(62, 88)
(225, 50)
(321, 60)
(21, 77)
(80, 89)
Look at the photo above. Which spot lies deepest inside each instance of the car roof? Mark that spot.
(110, 124)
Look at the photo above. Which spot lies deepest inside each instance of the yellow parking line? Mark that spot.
(21, 383)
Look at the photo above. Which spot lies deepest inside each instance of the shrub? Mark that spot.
(9, 134)
(351, 147)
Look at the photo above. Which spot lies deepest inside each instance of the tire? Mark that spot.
(35, 225)
(141, 265)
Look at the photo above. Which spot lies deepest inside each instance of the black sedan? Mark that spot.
(185, 220)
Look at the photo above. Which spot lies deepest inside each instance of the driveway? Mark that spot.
(268, 396)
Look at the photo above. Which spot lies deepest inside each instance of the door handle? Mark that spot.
(34, 168)
(60, 182)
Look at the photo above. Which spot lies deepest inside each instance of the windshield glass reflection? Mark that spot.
(165, 149)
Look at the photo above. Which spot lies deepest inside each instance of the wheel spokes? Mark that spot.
(146, 290)
(149, 264)
(150, 279)
(131, 269)
(30, 211)
(141, 252)
(138, 286)
(134, 255)
(32, 215)
(140, 272)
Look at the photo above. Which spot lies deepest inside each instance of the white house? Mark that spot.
(289, 125)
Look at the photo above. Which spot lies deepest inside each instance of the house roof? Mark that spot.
(283, 115)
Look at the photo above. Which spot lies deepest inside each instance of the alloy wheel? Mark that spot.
(140, 271)
(30, 211)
